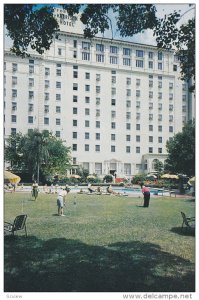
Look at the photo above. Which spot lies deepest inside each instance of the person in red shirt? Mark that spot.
(146, 193)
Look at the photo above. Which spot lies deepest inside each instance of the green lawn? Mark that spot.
(103, 244)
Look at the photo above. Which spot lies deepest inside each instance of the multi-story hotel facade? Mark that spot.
(115, 103)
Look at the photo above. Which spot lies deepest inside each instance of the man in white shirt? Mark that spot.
(61, 202)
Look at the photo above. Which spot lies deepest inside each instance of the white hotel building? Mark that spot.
(115, 103)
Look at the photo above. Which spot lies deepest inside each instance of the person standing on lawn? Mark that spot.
(61, 198)
(146, 193)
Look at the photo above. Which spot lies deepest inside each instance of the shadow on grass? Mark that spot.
(61, 265)
(185, 231)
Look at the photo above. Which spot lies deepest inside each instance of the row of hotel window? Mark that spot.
(87, 123)
(113, 148)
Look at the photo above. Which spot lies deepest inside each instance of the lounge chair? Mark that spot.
(18, 224)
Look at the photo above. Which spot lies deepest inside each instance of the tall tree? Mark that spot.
(29, 25)
(37, 152)
(181, 151)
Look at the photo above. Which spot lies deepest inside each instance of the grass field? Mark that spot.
(103, 244)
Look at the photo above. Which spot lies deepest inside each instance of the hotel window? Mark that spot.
(98, 77)
(13, 118)
(113, 60)
(150, 83)
(86, 45)
(100, 47)
(14, 80)
(184, 108)
(171, 107)
(59, 51)
(159, 66)
(86, 147)
(46, 121)
(87, 111)
(74, 135)
(150, 127)
(30, 107)
(47, 71)
(30, 119)
(139, 63)
(175, 68)
(113, 79)
(47, 84)
(113, 125)
(31, 61)
(58, 134)
(160, 55)
(128, 92)
(137, 138)
(98, 89)
(150, 55)
(159, 96)
(159, 77)
(137, 93)
(58, 97)
(87, 135)
(170, 96)
(170, 85)
(137, 104)
(58, 122)
(150, 64)
(14, 93)
(159, 84)
(128, 138)
(74, 54)
(75, 74)
(184, 98)
(74, 43)
(46, 108)
(113, 49)
(150, 95)
(31, 82)
(75, 123)
(150, 139)
(150, 105)
(58, 84)
(97, 124)
(128, 149)
(184, 87)
(159, 117)
(137, 116)
(113, 102)
(98, 168)
(170, 118)
(87, 75)
(97, 136)
(150, 149)
(75, 67)
(58, 72)
(127, 51)
(139, 53)
(13, 130)
(113, 114)
(85, 56)
(159, 150)
(47, 96)
(170, 128)
(137, 149)
(127, 169)
(128, 81)
(31, 94)
(75, 86)
(14, 67)
(74, 147)
(150, 117)
(112, 137)
(113, 91)
(128, 126)
(137, 126)
(126, 61)
(74, 110)
(14, 106)
(159, 139)
(31, 69)
(87, 123)
(87, 88)
(160, 128)
(99, 58)
(87, 100)
(128, 103)
(112, 148)
(97, 148)
(137, 82)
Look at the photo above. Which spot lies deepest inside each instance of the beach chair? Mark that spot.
(18, 224)
(188, 222)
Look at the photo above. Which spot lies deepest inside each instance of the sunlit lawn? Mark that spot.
(103, 244)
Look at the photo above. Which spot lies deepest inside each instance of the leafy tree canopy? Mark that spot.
(181, 151)
(26, 152)
(29, 25)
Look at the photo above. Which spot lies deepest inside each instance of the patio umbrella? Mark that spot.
(169, 176)
(75, 176)
(151, 175)
(11, 177)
